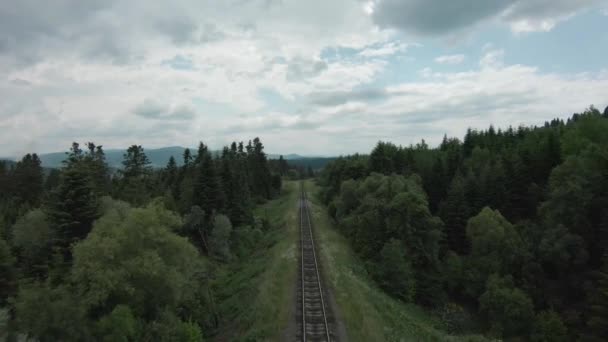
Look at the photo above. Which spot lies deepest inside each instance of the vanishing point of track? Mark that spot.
(314, 326)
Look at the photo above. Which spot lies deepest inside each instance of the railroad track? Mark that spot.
(313, 313)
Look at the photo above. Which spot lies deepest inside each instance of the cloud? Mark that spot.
(434, 17)
(179, 62)
(300, 68)
(450, 59)
(171, 73)
(151, 109)
(341, 97)
(438, 17)
(180, 29)
(492, 59)
(387, 49)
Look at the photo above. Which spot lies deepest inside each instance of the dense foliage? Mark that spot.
(512, 223)
(91, 253)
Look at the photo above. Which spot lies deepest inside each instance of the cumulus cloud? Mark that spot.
(386, 49)
(450, 59)
(438, 17)
(492, 59)
(173, 73)
(340, 97)
(151, 109)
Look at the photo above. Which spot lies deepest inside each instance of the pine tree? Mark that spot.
(6, 190)
(259, 173)
(227, 178)
(207, 192)
(454, 212)
(7, 271)
(136, 163)
(73, 207)
(435, 184)
(170, 173)
(240, 211)
(98, 168)
(187, 158)
(283, 166)
(29, 180)
(518, 182)
(598, 306)
(136, 173)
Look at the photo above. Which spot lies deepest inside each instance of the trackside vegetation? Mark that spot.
(507, 225)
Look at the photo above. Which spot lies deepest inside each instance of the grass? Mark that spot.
(255, 295)
(368, 313)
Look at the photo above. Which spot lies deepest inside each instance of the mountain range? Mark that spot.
(158, 157)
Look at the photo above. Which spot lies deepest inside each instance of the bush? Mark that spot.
(454, 318)
(509, 310)
(219, 242)
(548, 327)
(394, 272)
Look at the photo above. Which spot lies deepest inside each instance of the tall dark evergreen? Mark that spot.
(28, 180)
(136, 172)
(454, 212)
(73, 205)
(170, 173)
(597, 322)
(98, 168)
(207, 192)
(187, 158)
(259, 173)
(283, 166)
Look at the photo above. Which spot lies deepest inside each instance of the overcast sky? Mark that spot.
(318, 77)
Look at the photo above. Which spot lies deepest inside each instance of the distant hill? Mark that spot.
(315, 163)
(160, 156)
(8, 162)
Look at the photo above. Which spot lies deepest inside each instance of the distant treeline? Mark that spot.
(299, 168)
(513, 223)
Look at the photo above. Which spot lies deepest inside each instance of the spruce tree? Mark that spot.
(136, 176)
(98, 168)
(454, 212)
(73, 207)
(207, 192)
(28, 180)
(170, 173)
(7, 272)
(598, 305)
(435, 184)
(187, 158)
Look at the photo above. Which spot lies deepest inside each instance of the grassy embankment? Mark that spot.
(368, 313)
(254, 296)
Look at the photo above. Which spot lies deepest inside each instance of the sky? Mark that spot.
(310, 77)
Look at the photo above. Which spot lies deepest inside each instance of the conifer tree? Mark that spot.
(207, 192)
(170, 173)
(7, 271)
(598, 305)
(187, 158)
(136, 173)
(29, 180)
(73, 207)
(454, 212)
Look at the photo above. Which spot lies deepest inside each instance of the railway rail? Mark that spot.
(312, 303)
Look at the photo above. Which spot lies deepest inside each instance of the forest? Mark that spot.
(508, 227)
(88, 253)
(504, 232)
